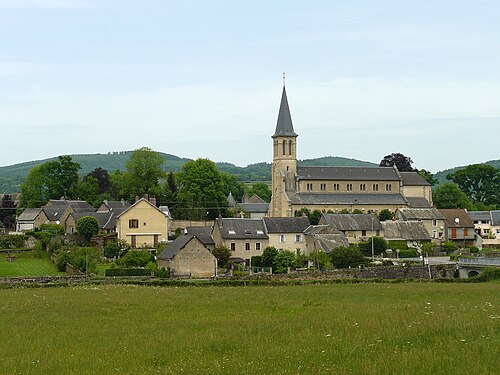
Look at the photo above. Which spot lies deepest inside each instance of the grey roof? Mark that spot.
(480, 215)
(418, 202)
(253, 199)
(326, 237)
(286, 224)
(450, 214)
(420, 214)
(230, 200)
(320, 229)
(346, 199)
(136, 203)
(413, 179)
(204, 234)
(29, 214)
(348, 173)
(352, 221)
(54, 213)
(177, 245)
(166, 211)
(77, 206)
(254, 207)
(405, 230)
(117, 206)
(284, 126)
(242, 228)
(106, 220)
(495, 217)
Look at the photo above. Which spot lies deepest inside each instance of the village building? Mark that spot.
(187, 256)
(459, 227)
(323, 238)
(356, 227)
(204, 234)
(287, 232)
(432, 219)
(30, 219)
(413, 232)
(253, 207)
(335, 188)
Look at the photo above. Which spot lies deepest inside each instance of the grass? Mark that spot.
(26, 264)
(409, 328)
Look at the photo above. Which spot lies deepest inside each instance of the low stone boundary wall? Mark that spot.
(42, 280)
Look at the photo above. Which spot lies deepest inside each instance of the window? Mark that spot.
(440, 234)
(362, 187)
(388, 187)
(133, 223)
(298, 238)
(309, 187)
(247, 245)
(260, 232)
(434, 223)
(144, 224)
(289, 147)
(282, 238)
(284, 147)
(349, 187)
(248, 232)
(466, 232)
(336, 187)
(322, 187)
(257, 246)
(363, 233)
(486, 231)
(375, 187)
(231, 232)
(233, 246)
(434, 234)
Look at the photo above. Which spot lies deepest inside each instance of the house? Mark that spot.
(30, 219)
(459, 228)
(323, 238)
(114, 206)
(356, 227)
(413, 232)
(253, 207)
(106, 220)
(432, 219)
(187, 256)
(204, 234)
(245, 238)
(142, 225)
(487, 225)
(335, 188)
(287, 232)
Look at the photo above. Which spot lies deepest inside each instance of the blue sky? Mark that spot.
(203, 78)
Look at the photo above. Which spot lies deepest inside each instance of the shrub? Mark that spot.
(283, 260)
(222, 253)
(62, 259)
(320, 259)
(489, 273)
(301, 260)
(256, 261)
(127, 272)
(397, 244)
(12, 241)
(268, 256)
(116, 248)
(162, 273)
(345, 257)
(136, 258)
(473, 250)
(379, 246)
(385, 215)
(449, 247)
(88, 227)
(39, 253)
(53, 229)
(54, 245)
(410, 253)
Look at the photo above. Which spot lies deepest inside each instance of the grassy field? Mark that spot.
(26, 264)
(407, 328)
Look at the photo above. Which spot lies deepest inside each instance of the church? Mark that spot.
(335, 189)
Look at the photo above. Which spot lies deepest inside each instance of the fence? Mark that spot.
(480, 261)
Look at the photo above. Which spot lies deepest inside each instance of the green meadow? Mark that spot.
(408, 328)
(26, 264)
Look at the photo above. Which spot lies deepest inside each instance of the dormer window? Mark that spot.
(231, 232)
(248, 232)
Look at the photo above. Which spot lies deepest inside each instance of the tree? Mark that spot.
(103, 180)
(88, 227)
(403, 163)
(136, 258)
(262, 190)
(268, 256)
(345, 257)
(144, 169)
(385, 215)
(167, 192)
(7, 212)
(449, 195)
(233, 186)
(283, 260)
(222, 253)
(88, 190)
(379, 246)
(428, 176)
(201, 193)
(480, 182)
(320, 259)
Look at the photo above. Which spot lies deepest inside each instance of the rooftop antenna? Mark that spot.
(283, 79)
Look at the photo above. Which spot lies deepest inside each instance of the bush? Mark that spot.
(39, 253)
(410, 253)
(61, 260)
(385, 215)
(473, 250)
(489, 273)
(116, 248)
(53, 229)
(345, 257)
(127, 272)
(283, 260)
(54, 245)
(12, 241)
(379, 246)
(222, 253)
(163, 273)
(268, 256)
(256, 261)
(449, 247)
(321, 260)
(88, 227)
(136, 258)
(397, 244)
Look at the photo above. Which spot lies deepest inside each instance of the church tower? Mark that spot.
(284, 168)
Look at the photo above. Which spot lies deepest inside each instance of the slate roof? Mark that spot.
(54, 213)
(326, 237)
(136, 203)
(77, 206)
(348, 173)
(495, 217)
(451, 214)
(254, 207)
(418, 202)
(204, 234)
(420, 214)
(29, 214)
(286, 224)
(117, 206)
(284, 126)
(230, 200)
(413, 179)
(241, 228)
(405, 230)
(480, 216)
(177, 245)
(345, 199)
(352, 221)
(106, 220)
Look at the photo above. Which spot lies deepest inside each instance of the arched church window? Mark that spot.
(289, 147)
(284, 147)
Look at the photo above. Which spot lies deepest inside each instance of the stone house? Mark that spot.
(487, 225)
(30, 219)
(253, 207)
(413, 232)
(432, 219)
(459, 228)
(114, 206)
(287, 232)
(142, 225)
(356, 227)
(245, 238)
(323, 238)
(187, 256)
(204, 234)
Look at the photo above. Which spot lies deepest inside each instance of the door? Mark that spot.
(133, 242)
(453, 232)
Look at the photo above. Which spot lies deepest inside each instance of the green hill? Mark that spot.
(12, 176)
(441, 176)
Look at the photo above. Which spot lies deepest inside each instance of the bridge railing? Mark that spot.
(480, 261)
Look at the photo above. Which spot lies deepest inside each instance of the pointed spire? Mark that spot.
(284, 126)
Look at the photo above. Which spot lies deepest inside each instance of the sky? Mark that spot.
(204, 78)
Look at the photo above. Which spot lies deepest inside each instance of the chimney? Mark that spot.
(153, 200)
(136, 198)
(146, 196)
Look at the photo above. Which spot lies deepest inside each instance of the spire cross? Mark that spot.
(283, 79)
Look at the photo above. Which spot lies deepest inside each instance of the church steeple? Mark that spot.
(284, 126)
